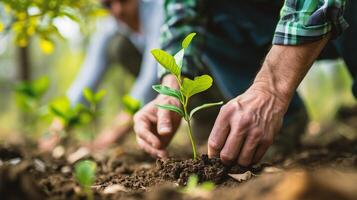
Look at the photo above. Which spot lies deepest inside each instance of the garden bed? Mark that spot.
(315, 172)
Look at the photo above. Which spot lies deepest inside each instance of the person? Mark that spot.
(233, 38)
(127, 37)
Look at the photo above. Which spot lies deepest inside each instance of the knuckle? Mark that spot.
(226, 157)
(213, 145)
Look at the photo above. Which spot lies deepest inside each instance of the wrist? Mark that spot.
(278, 89)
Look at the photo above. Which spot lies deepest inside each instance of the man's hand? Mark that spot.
(155, 127)
(245, 126)
(48, 143)
(122, 125)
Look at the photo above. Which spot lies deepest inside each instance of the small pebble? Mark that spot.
(58, 152)
(39, 165)
(15, 161)
(112, 189)
(66, 169)
(79, 154)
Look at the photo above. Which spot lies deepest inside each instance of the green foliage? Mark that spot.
(206, 105)
(172, 108)
(85, 175)
(93, 98)
(188, 87)
(193, 186)
(131, 105)
(26, 18)
(199, 84)
(29, 97)
(78, 115)
(167, 61)
(186, 42)
(70, 116)
(85, 172)
(30, 93)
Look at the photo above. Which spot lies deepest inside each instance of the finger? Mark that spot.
(151, 150)
(249, 147)
(218, 134)
(261, 150)
(233, 145)
(142, 130)
(164, 122)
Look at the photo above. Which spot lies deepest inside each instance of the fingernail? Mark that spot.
(164, 129)
(161, 155)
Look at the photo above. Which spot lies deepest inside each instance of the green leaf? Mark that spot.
(61, 107)
(99, 95)
(208, 186)
(192, 182)
(172, 108)
(179, 57)
(131, 105)
(167, 91)
(85, 172)
(188, 40)
(199, 84)
(89, 95)
(206, 105)
(40, 86)
(167, 61)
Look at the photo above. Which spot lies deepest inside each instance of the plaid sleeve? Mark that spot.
(181, 18)
(303, 21)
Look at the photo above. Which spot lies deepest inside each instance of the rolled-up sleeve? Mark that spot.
(303, 21)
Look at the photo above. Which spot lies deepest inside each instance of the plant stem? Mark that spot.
(193, 143)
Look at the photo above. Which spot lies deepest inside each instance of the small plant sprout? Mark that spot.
(193, 187)
(78, 115)
(85, 175)
(131, 105)
(29, 96)
(188, 87)
(93, 100)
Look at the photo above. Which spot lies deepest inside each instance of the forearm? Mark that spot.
(285, 67)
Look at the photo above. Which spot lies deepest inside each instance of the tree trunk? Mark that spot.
(24, 67)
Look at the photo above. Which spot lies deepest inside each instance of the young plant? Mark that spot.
(193, 187)
(187, 87)
(79, 115)
(131, 105)
(29, 96)
(85, 175)
(93, 99)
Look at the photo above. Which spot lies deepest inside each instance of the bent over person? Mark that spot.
(233, 37)
(125, 37)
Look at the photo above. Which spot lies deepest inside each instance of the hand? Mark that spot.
(245, 127)
(155, 127)
(110, 135)
(48, 143)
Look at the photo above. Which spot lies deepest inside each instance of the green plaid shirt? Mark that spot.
(309, 20)
(243, 29)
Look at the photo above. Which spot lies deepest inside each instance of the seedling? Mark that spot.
(188, 87)
(93, 100)
(29, 96)
(80, 114)
(85, 175)
(131, 105)
(193, 186)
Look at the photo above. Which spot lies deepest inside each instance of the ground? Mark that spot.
(325, 167)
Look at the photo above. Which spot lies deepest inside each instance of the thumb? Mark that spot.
(164, 122)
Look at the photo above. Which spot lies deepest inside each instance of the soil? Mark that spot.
(316, 171)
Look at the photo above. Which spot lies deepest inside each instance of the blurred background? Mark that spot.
(44, 42)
